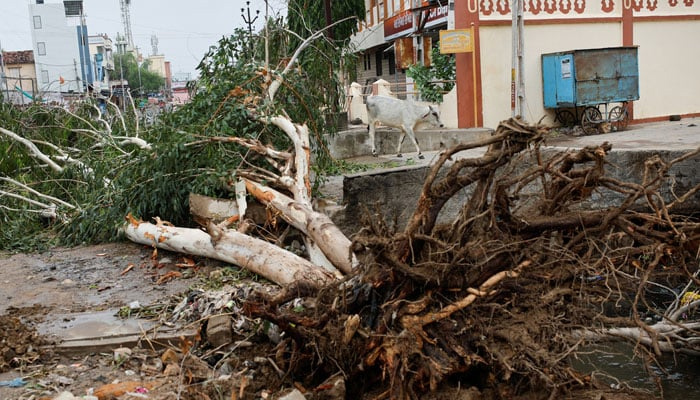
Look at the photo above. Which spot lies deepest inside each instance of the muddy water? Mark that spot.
(616, 364)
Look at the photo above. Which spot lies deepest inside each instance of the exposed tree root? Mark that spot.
(497, 298)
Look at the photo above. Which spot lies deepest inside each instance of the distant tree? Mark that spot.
(310, 15)
(436, 79)
(148, 82)
(306, 16)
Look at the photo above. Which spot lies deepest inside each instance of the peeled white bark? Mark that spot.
(255, 255)
(319, 227)
(33, 150)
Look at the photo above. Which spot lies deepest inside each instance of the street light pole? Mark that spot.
(121, 81)
(138, 68)
(249, 21)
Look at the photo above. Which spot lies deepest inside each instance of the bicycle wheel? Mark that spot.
(590, 119)
(566, 118)
(619, 118)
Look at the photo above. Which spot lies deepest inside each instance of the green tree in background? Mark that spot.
(308, 16)
(435, 80)
(148, 81)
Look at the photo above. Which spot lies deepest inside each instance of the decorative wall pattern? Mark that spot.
(564, 7)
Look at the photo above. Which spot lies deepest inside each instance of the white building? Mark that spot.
(61, 53)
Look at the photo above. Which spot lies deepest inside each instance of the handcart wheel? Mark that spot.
(619, 118)
(590, 119)
(566, 118)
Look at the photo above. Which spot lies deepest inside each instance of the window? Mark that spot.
(378, 59)
(368, 62)
(44, 76)
(41, 48)
(13, 72)
(37, 22)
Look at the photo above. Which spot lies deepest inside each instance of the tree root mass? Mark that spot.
(501, 297)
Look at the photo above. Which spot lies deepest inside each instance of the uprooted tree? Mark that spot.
(498, 298)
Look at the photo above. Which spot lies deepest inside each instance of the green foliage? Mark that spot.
(329, 58)
(308, 16)
(21, 228)
(188, 154)
(442, 69)
(146, 81)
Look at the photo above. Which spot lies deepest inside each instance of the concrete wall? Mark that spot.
(540, 39)
(668, 70)
(395, 193)
(21, 76)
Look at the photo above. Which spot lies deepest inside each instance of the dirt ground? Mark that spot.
(57, 286)
(40, 288)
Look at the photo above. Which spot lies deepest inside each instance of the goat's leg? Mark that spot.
(412, 135)
(401, 139)
(372, 128)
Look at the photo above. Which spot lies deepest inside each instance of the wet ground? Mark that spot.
(65, 295)
(85, 278)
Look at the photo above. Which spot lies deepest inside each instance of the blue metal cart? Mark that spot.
(586, 79)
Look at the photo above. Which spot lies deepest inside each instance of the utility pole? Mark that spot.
(21, 87)
(121, 82)
(517, 83)
(77, 79)
(138, 68)
(267, 38)
(329, 18)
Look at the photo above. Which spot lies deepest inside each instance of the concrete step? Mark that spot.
(102, 331)
(355, 142)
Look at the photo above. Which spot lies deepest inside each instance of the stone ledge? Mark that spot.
(396, 190)
(355, 142)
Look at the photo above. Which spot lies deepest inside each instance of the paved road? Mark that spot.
(679, 135)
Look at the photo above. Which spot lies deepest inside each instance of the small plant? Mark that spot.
(430, 81)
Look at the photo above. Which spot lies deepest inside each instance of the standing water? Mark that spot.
(616, 364)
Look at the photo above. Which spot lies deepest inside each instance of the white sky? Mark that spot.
(185, 29)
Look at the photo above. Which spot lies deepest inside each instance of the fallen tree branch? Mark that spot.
(33, 150)
(317, 226)
(38, 194)
(255, 255)
(662, 336)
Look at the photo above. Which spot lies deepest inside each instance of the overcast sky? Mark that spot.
(185, 29)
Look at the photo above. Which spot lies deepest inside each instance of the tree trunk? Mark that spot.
(317, 226)
(258, 256)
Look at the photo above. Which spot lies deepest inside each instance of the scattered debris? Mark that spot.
(14, 383)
